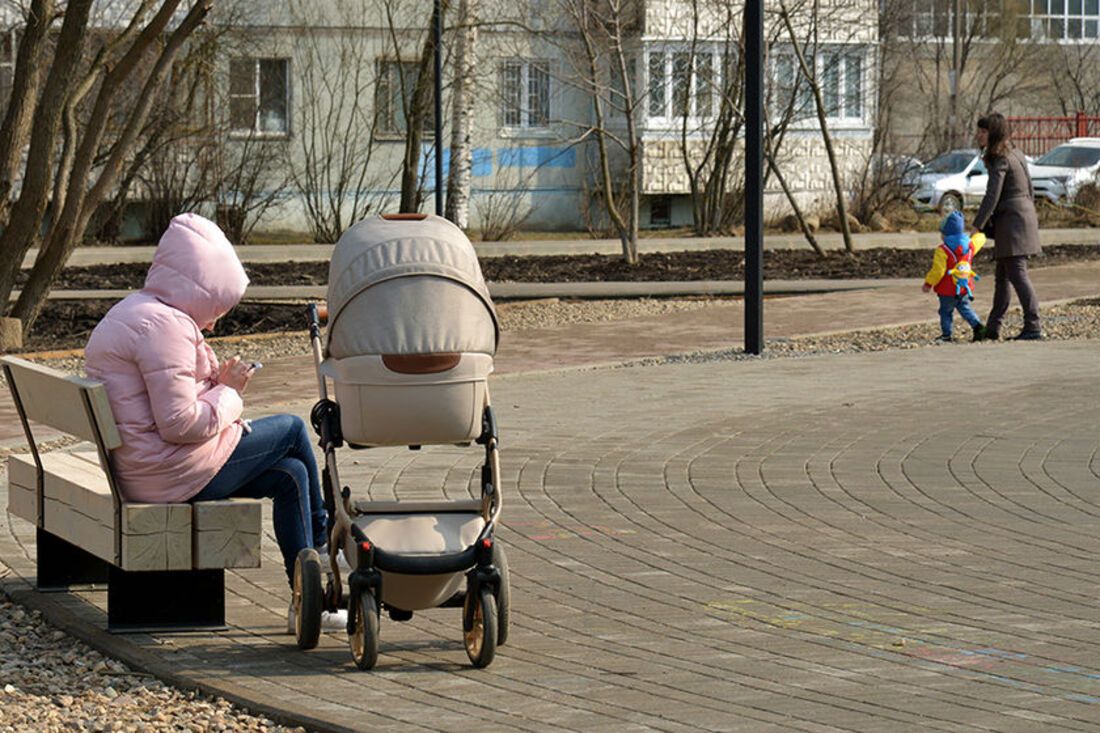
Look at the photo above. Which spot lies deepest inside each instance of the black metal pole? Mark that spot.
(754, 176)
(437, 32)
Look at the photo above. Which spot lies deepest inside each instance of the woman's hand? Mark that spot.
(236, 374)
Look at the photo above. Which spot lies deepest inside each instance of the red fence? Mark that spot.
(1036, 135)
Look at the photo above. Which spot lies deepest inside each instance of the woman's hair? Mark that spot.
(1000, 133)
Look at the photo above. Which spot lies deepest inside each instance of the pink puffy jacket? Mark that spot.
(178, 425)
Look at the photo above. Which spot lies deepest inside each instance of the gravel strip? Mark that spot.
(52, 682)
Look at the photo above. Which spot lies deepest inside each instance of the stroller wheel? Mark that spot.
(481, 638)
(504, 594)
(364, 637)
(307, 598)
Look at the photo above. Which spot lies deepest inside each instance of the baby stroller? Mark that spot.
(409, 347)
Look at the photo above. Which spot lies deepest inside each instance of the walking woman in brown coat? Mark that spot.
(1008, 209)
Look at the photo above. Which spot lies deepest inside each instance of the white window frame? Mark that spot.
(840, 112)
(8, 65)
(1065, 20)
(256, 95)
(661, 96)
(526, 119)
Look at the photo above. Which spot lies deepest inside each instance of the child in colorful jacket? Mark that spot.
(952, 275)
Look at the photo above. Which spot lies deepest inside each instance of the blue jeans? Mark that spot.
(275, 461)
(949, 304)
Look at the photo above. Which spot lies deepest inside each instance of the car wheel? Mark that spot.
(950, 202)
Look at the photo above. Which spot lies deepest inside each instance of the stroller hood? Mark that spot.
(408, 286)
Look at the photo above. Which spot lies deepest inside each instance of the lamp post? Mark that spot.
(437, 35)
(754, 176)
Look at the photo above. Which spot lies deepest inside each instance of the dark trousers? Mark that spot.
(1013, 270)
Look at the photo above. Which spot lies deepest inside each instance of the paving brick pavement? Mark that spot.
(795, 544)
(865, 542)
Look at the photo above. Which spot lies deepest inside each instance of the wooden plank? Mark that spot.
(156, 536)
(23, 487)
(23, 502)
(86, 533)
(78, 484)
(56, 399)
(227, 533)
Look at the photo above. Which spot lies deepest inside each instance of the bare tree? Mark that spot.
(598, 49)
(26, 216)
(26, 81)
(995, 61)
(81, 200)
(332, 157)
(810, 75)
(462, 108)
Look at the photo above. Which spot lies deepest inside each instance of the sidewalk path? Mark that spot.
(775, 545)
(83, 256)
(787, 545)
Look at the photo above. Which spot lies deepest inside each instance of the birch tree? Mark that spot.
(462, 108)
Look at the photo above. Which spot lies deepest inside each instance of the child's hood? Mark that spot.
(195, 270)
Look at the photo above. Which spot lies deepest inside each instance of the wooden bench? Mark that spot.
(164, 564)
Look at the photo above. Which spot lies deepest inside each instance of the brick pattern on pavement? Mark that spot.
(776, 545)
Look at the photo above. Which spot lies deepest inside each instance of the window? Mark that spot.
(259, 95)
(393, 97)
(936, 18)
(660, 211)
(617, 92)
(1064, 19)
(525, 89)
(842, 85)
(840, 76)
(788, 81)
(7, 65)
(682, 83)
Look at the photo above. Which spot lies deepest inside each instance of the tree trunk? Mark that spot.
(458, 175)
(26, 79)
(79, 206)
(417, 114)
(806, 231)
(26, 217)
(819, 104)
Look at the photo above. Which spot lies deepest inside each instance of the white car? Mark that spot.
(951, 181)
(1060, 173)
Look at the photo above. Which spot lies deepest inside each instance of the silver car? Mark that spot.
(1059, 174)
(951, 181)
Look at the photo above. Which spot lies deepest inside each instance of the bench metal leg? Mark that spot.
(62, 565)
(177, 600)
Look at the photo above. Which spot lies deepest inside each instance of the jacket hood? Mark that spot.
(195, 270)
(954, 241)
(952, 224)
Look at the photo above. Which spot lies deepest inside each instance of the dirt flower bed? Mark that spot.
(67, 324)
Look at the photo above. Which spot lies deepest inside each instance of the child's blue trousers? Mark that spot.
(949, 304)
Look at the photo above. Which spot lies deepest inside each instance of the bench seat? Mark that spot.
(164, 563)
(79, 509)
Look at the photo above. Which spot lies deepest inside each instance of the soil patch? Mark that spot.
(655, 266)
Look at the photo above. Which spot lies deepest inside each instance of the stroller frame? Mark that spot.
(486, 600)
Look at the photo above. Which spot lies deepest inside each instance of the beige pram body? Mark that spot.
(409, 348)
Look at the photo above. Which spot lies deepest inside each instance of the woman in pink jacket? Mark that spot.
(179, 411)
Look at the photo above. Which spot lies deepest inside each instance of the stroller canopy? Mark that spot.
(408, 286)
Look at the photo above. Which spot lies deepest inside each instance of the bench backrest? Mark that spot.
(71, 404)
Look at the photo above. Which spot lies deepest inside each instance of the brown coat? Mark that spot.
(1009, 203)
